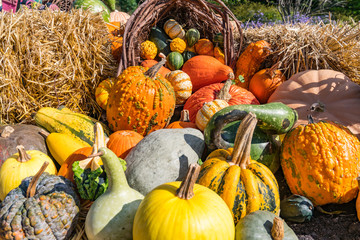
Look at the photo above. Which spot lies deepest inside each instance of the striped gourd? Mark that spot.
(182, 85)
(102, 92)
(173, 29)
(207, 111)
(141, 100)
(174, 61)
(192, 36)
(66, 121)
(245, 185)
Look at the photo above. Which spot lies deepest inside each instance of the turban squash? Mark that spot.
(325, 94)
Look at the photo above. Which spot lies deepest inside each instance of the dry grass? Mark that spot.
(301, 47)
(49, 59)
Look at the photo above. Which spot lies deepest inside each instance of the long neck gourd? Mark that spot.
(112, 214)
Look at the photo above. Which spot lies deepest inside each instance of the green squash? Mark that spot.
(257, 226)
(219, 40)
(174, 61)
(187, 55)
(96, 6)
(296, 208)
(192, 36)
(160, 39)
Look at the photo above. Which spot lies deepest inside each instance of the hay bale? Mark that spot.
(302, 47)
(51, 58)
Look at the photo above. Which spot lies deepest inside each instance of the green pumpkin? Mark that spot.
(296, 208)
(174, 61)
(192, 36)
(160, 39)
(187, 55)
(219, 39)
(257, 226)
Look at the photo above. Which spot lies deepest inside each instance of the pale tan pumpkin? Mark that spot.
(207, 111)
(325, 94)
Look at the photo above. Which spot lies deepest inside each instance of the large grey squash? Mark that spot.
(163, 156)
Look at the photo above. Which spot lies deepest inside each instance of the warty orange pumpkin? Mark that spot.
(141, 100)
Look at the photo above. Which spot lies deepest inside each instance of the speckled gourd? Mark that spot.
(42, 207)
(112, 214)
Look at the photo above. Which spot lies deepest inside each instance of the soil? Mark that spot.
(344, 226)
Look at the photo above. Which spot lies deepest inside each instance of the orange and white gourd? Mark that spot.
(182, 85)
(207, 111)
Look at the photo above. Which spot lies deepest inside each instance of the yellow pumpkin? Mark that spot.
(207, 111)
(148, 50)
(183, 211)
(102, 92)
(178, 45)
(182, 85)
(21, 165)
(173, 29)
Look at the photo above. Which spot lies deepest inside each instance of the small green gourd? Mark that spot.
(112, 214)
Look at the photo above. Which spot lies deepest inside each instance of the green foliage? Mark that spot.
(128, 6)
(253, 11)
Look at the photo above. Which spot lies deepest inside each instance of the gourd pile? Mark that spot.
(146, 174)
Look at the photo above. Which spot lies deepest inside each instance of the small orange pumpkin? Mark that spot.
(121, 142)
(149, 63)
(184, 121)
(204, 47)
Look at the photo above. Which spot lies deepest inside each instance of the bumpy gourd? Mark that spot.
(22, 165)
(112, 214)
(178, 45)
(320, 161)
(148, 50)
(183, 211)
(245, 185)
(141, 100)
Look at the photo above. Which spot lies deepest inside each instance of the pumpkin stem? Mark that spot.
(7, 131)
(272, 71)
(151, 72)
(185, 116)
(30, 192)
(44, 133)
(224, 92)
(310, 119)
(277, 230)
(242, 144)
(186, 189)
(317, 107)
(23, 156)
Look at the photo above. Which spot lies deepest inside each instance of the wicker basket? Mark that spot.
(209, 18)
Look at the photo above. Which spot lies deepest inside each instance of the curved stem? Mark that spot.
(317, 107)
(30, 192)
(277, 230)
(224, 92)
(151, 72)
(186, 189)
(7, 131)
(185, 116)
(242, 144)
(23, 156)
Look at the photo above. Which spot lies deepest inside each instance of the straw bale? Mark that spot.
(51, 58)
(301, 47)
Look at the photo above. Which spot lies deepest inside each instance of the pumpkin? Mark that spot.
(121, 142)
(198, 213)
(188, 54)
(21, 165)
(182, 85)
(184, 121)
(149, 63)
(116, 46)
(205, 70)
(148, 50)
(112, 214)
(42, 207)
(207, 111)
(325, 94)
(163, 156)
(115, 28)
(219, 54)
(102, 92)
(204, 47)
(173, 29)
(178, 45)
(296, 208)
(358, 200)
(263, 225)
(20, 134)
(192, 36)
(264, 83)
(141, 100)
(235, 96)
(250, 61)
(244, 184)
(121, 17)
(174, 61)
(320, 161)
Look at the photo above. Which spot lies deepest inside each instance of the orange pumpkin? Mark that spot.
(184, 121)
(149, 63)
(115, 28)
(121, 142)
(204, 47)
(141, 100)
(205, 70)
(250, 61)
(264, 83)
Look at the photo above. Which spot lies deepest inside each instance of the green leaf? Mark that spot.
(200, 162)
(241, 79)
